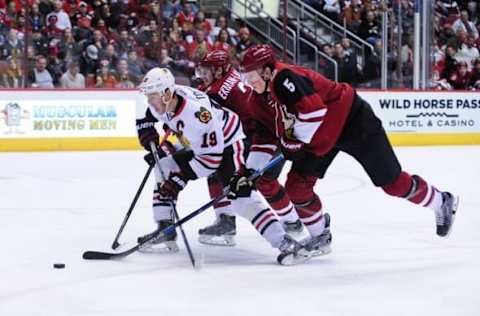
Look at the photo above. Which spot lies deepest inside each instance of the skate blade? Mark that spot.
(223, 241)
(456, 201)
(321, 251)
(164, 247)
(294, 259)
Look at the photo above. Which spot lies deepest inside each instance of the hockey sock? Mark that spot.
(223, 206)
(311, 215)
(416, 190)
(278, 199)
(162, 207)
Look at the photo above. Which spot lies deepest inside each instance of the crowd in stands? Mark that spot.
(457, 42)
(112, 43)
(108, 44)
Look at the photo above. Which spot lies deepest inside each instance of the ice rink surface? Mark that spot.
(386, 258)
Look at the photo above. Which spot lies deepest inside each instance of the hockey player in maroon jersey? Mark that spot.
(313, 119)
(223, 85)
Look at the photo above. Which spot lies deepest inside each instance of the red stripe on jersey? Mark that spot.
(262, 149)
(312, 120)
(180, 108)
(269, 214)
(239, 154)
(210, 160)
(233, 118)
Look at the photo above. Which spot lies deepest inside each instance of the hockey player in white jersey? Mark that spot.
(213, 137)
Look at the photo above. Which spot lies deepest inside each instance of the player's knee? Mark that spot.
(215, 187)
(300, 188)
(268, 187)
(400, 187)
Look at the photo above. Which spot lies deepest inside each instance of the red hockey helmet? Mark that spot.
(257, 56)
(215, 58)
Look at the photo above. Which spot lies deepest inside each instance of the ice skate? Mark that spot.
(294, 229)
(320, 245)
(220, 233)
(292, 252)
(445, 215)
(161, 243)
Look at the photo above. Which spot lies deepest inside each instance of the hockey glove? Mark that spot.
(147, 133)
(173, 185)
(240, 186)
(292, 148)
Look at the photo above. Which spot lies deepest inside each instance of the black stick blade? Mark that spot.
(115, 245)
(97, 255)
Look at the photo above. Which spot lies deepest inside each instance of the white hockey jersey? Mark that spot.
(201, 127)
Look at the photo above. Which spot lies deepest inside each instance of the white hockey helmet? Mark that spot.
(158, 80)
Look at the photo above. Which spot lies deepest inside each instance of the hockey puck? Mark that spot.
(59, 265)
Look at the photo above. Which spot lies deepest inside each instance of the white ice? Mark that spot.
(386, 258)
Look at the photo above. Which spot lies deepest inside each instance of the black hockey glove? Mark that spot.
(173, 185)
(240, 186)
(147, 133)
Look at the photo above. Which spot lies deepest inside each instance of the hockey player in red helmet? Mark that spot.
(223, 85)
(312, 120)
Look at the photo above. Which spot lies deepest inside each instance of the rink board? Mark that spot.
(65, 120)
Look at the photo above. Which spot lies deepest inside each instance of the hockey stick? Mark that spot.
(99, 255)
(115, 243)
(172, 203)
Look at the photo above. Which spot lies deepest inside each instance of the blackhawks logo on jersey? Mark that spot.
(203, 115)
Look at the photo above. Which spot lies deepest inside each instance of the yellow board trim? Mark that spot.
(434, 139)
(131, 143)
(69, 144)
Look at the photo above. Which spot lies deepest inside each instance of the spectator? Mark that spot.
(347, 66)
(221, 24)
(68, 47)
(12, 76)
(201, 23)
(89, 62)
(135, 66)
(111, 55)
(146, 35)
(199, 47)
(12, 46)
(463, 23)
(152, 51)
(61, 18)
(72, 78)
(165, 59)
(223, 42)
(460, 78)
(125, 80)
(125, 44)
(474, 82)
(331, 8)
(244, 41)
(327, 67)
(186, 14)
(369, 29)
(40, 77)
(105, 78)
(35, 18)
(468, 52)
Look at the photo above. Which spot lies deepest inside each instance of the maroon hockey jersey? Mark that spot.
(230, 92)
(303, 104)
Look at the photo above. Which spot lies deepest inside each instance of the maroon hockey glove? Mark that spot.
(292, 148)
(171, 187)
